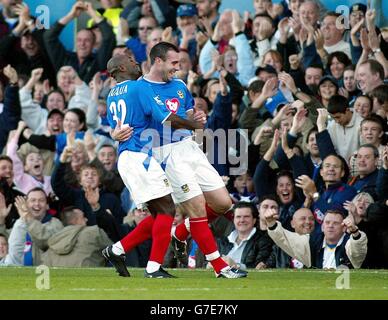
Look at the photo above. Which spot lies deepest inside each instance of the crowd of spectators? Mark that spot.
(304, 95)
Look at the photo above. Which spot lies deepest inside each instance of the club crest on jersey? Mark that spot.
(185, 188)
(180, 94)
(166, 182)
(158, 101)
(172, 104)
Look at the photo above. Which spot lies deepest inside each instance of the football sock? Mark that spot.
(161, 237)
(203, 236)
(181, 231)
(141, 233)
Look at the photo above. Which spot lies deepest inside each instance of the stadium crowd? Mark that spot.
(303, 92)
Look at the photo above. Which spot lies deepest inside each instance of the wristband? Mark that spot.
(355, 231)
(273, 227)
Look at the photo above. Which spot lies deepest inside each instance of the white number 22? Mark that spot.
(121, 108)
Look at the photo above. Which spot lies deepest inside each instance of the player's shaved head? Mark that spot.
(123, 67)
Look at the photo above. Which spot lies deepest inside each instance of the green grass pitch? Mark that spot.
(103, 283)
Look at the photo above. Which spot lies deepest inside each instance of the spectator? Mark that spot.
(161, 10)
(83, 60)
(336, 64)
(332, 35)
(302, 223)
(366, 162)
(263, 40)
(29, 235)
(335, 192)
(247, 246)
(312, 78)
(330, 249)
(11, 113)
(380, 100)
(187, 20)
(76, 245)
(110, 10)
(3, 248)
(371, 217)
(208, 11)
(229, 28)
(327, 88)
(363, 106)
(74, 127)
(284, 185)
(244, 189)
(29, 175)
(21, 42)
(92, 200)
(138, 44)
(350, 90)
(369, 75)
(105, 159)
(54, 127)
(345, 129)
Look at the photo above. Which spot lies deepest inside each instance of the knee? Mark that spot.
(222, 206)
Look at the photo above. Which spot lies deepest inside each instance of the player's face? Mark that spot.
(133, 67)
(169, 67)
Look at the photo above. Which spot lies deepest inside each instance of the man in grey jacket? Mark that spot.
(76, 245)
(29, 235)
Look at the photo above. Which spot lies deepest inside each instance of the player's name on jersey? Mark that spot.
(118, 91)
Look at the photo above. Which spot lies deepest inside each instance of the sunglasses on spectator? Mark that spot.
(145, 28)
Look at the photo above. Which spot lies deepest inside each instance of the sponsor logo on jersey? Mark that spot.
(172, 104)
(158, 101)
(180, 94)
(185, 188)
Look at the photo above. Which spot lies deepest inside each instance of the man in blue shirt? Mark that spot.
(194, 181)
(186, 166)
(129, 111)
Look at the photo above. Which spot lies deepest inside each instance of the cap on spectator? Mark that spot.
(186, 10)
(266, 68)
(329, 78)
(55, 111)
(358, 7)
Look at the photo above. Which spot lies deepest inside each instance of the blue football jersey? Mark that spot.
(131, 104)
(171, 97)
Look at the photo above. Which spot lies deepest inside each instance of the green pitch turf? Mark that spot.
(103, 283)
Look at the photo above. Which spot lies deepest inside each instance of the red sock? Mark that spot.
(229, 215)
(203, 236)
(181, 233)
(211, 214)
(141, 233)
(161, 237)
